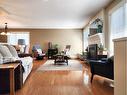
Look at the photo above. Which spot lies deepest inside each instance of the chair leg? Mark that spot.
(67, 61)
(92, 77)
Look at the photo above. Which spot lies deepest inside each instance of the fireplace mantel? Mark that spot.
(96, 39)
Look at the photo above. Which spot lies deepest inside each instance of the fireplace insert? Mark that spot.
(92, 52)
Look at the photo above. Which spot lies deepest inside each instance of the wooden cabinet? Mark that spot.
(52, 52)
(11, 67)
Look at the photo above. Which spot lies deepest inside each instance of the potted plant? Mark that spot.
(56, 46)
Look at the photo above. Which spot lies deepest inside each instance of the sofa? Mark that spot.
(8, 55)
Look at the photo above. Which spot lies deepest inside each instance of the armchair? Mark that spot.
(37, 51)
(102, 67)
(66, 51)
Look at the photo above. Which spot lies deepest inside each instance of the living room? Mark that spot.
(76, 33)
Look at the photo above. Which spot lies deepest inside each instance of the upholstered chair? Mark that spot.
(37, 52)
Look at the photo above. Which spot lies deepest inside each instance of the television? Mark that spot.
(93, 50)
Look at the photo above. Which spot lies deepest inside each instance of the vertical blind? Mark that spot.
(117, 26)
(14, 36)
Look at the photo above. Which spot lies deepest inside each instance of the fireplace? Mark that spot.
(93, 49)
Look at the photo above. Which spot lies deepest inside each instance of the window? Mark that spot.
(14, 36)
(117, 26)
(85, 37)
(126, 18)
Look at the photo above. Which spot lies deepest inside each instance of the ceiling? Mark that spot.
(49, 13)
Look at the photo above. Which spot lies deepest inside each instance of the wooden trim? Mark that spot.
(12, 83)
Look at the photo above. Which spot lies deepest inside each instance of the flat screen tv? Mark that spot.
(92, 49)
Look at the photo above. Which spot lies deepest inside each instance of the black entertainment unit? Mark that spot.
(52, 52)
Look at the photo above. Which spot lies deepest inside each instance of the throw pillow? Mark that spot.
(13, 51)
(5, 52)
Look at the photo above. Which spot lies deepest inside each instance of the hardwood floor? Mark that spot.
(64, 83)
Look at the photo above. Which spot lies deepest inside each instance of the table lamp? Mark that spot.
(21, 43)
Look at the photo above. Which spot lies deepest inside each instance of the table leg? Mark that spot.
(55, 61)
(67, 61)
(12, 83)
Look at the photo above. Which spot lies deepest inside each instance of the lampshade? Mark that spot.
(21, 41)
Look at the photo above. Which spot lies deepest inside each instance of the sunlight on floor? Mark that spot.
(86, 76)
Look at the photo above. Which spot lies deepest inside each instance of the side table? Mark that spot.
(11, 68)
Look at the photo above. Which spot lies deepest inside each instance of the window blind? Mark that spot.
(117, 26)
(14, 36)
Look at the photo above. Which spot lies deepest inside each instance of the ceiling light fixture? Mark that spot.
(5, 32)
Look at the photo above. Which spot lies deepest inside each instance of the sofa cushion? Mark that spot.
(12, 50)
(26, 60)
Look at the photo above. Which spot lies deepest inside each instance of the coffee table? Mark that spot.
(59, 58)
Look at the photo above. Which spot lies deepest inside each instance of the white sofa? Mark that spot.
(9, 54)
(27, 63)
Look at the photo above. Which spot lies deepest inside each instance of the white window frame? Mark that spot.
(121, 4)
(18, 33)
(86, 29)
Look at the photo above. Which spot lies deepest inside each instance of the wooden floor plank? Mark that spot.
(64, 83)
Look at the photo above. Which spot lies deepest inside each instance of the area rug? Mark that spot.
(49, 65)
